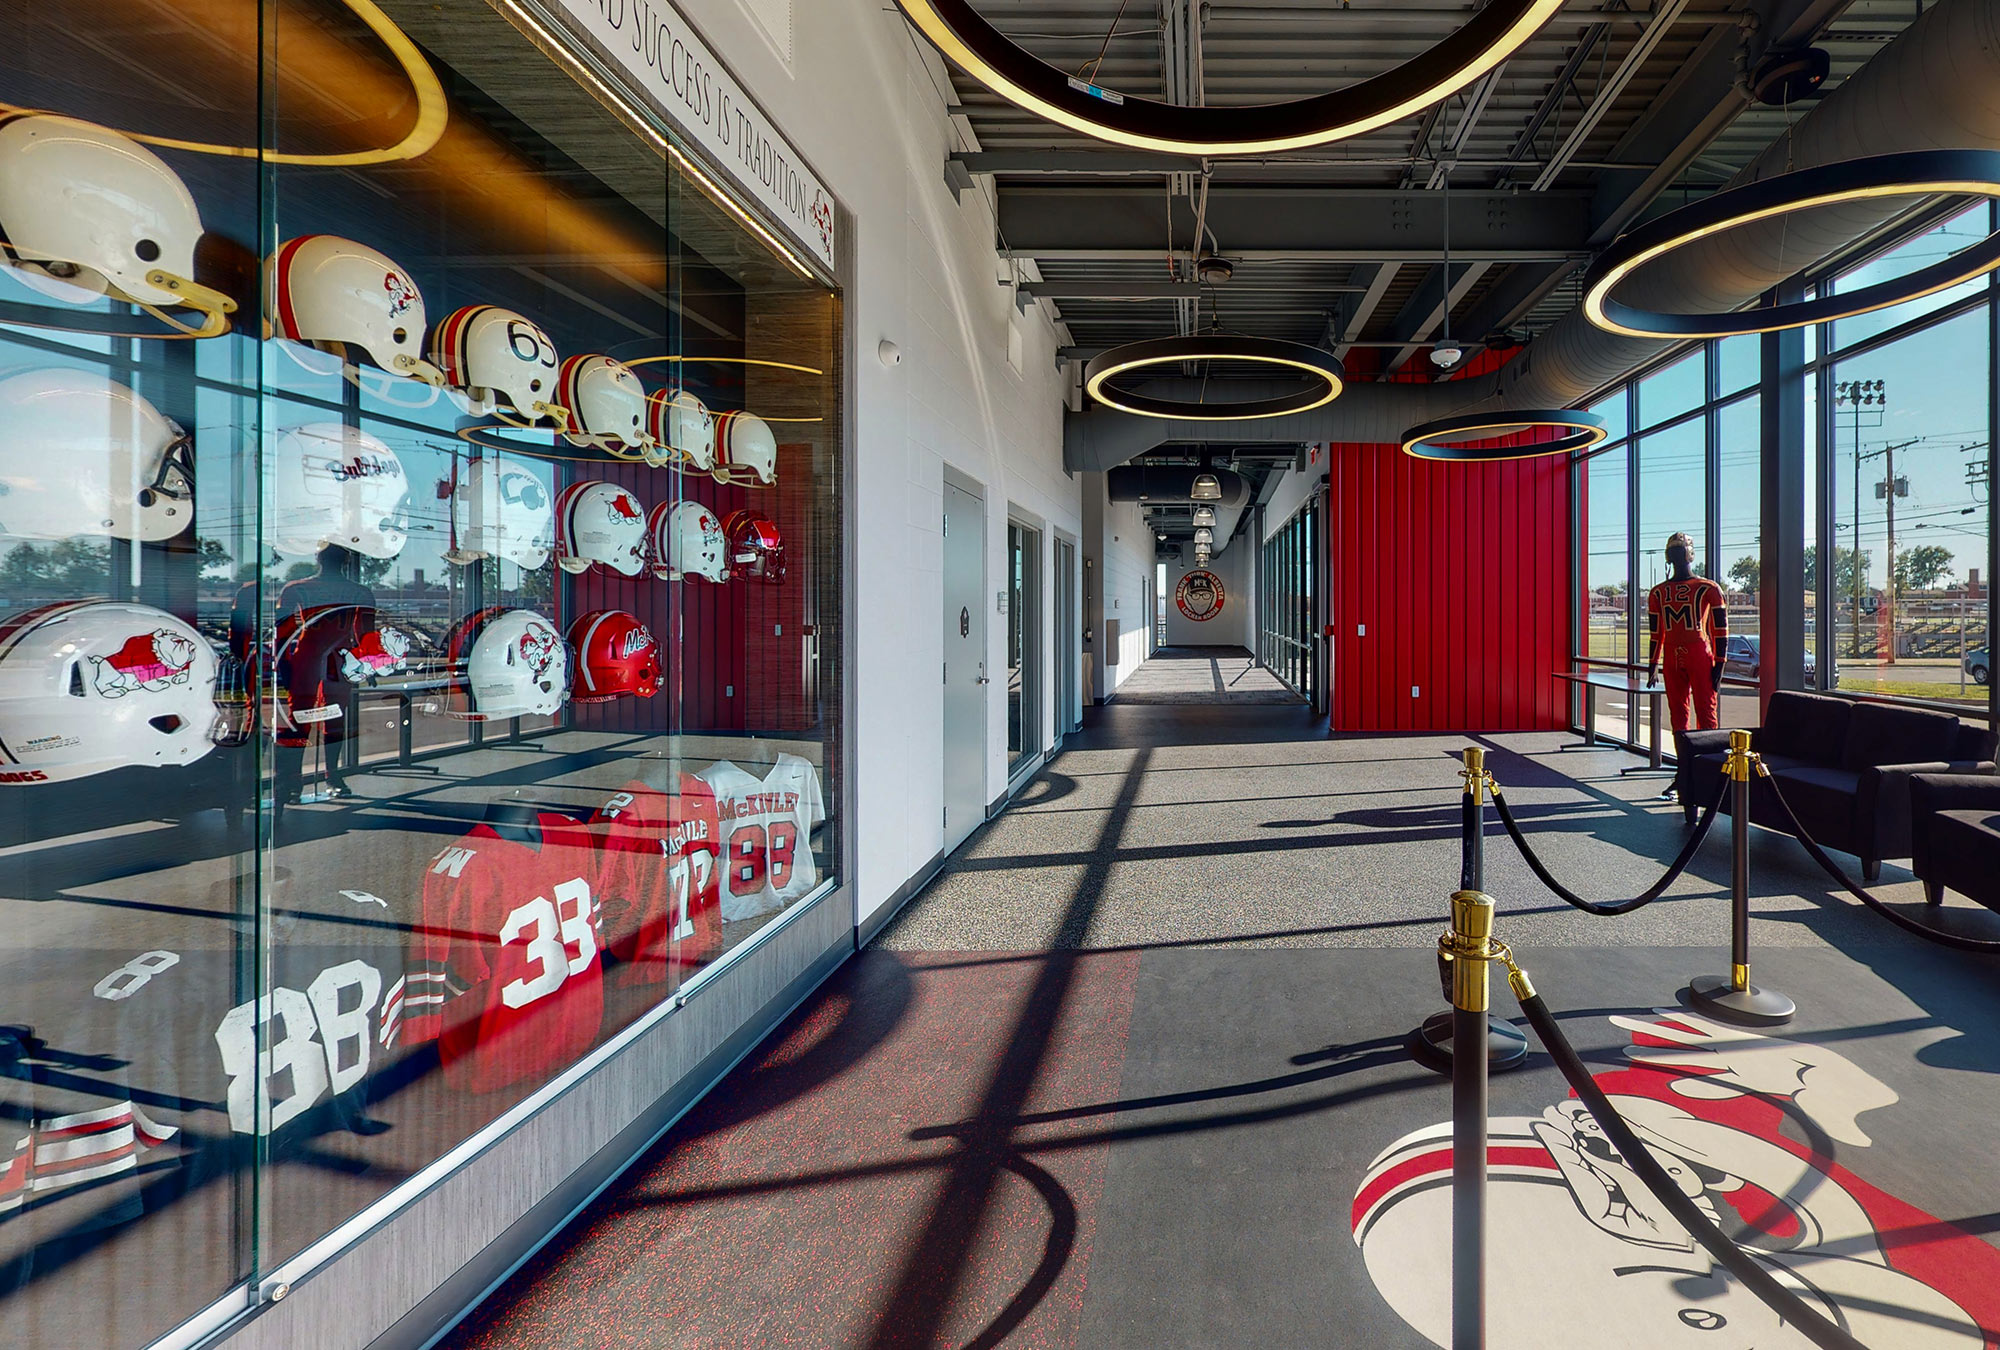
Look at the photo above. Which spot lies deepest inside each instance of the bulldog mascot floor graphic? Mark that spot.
(1580, 1253)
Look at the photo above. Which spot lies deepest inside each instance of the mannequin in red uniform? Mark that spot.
(1688, 623)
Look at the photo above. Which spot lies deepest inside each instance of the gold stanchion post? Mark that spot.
(1431, 1044)
(1465, 949)
(1732, 997)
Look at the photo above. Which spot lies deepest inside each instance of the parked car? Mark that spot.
(1979, 665)
(1740, 654)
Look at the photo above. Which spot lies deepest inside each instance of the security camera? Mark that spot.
(891, 354)
(1446, 355)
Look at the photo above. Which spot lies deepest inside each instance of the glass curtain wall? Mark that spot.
(419, 617)
(1285, 601)
(1898, 559)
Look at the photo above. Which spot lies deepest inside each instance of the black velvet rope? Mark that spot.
(1611, 908)
(1859, 892)
(1815, 1325)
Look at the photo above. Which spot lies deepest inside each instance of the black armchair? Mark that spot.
(1955, 835)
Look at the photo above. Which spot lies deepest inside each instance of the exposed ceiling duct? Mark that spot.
(1937, 86)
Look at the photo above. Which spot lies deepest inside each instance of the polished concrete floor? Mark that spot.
(1213, 675)
(1131, 1074)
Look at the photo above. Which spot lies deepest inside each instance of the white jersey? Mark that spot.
(767, 828)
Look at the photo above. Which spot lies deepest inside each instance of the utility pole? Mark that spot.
(1858, 395)
(1890, 488)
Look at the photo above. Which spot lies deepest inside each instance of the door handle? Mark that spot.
(984, 678)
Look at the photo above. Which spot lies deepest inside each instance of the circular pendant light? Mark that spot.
(1487, 38)
(1477, 438)
(1971, 173)
(1325, 376)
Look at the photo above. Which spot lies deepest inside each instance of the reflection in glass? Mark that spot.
(355, 787)
(1607, 568)
(1963, 230)
(1024, 608)
(1911, 516)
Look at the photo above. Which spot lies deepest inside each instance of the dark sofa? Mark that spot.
(1955, 837)
(1844, 766)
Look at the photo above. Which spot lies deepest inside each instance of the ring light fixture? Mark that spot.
(722, 361)
(1325, 374)
(1973, 173)
(1473, 438)
(735, 361)
(433, 111)
(995, 60)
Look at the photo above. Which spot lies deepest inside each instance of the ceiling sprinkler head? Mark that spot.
(1447, 354)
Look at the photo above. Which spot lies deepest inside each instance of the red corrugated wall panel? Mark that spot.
(1460, 573)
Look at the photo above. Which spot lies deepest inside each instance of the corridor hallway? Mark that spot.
(1118, 1076)
(1176, 675)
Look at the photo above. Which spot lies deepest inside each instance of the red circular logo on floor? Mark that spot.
(1199, 596)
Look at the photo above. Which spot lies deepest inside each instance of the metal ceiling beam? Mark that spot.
(1378, 286)
(1365, 224)
(1426, 308)
(1475, 108)
(1170, 290)
(1665, 12)
(1094, 163)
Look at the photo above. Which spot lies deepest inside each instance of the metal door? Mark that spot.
(966, 681)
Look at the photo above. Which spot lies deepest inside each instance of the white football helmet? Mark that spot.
(97, 213)
(746, 450)
(82, 454)
(93, 685)
(683, 425)
(607, 406)
(599, 522)
(500, 508)
(687, 542)
(512, 663)
(499, 358)
(332, 484)
(333, 294)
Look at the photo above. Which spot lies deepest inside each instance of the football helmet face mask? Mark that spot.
(607, 407)
(683, 425)
(332, 484)
(599, 522)
(87, 211)
(334, 294)
(509, 663)
(746, 450)
(81, 454)
(500, 508)
(687, 542)
(756, 549)
(615, 657)
(499, 359)
(95, 685)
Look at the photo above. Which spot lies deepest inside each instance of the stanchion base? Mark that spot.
(1430, 1044)
(1718, 995)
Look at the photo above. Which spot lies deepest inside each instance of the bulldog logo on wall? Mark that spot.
(1589, 1250)
(1199, 596)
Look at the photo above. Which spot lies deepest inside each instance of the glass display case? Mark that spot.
(420, 599)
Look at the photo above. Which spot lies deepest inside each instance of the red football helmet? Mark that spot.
(615, 657)
(756, 549)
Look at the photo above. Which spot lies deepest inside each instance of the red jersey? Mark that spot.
(506, 974)
(662, 913)
(1687, 614)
